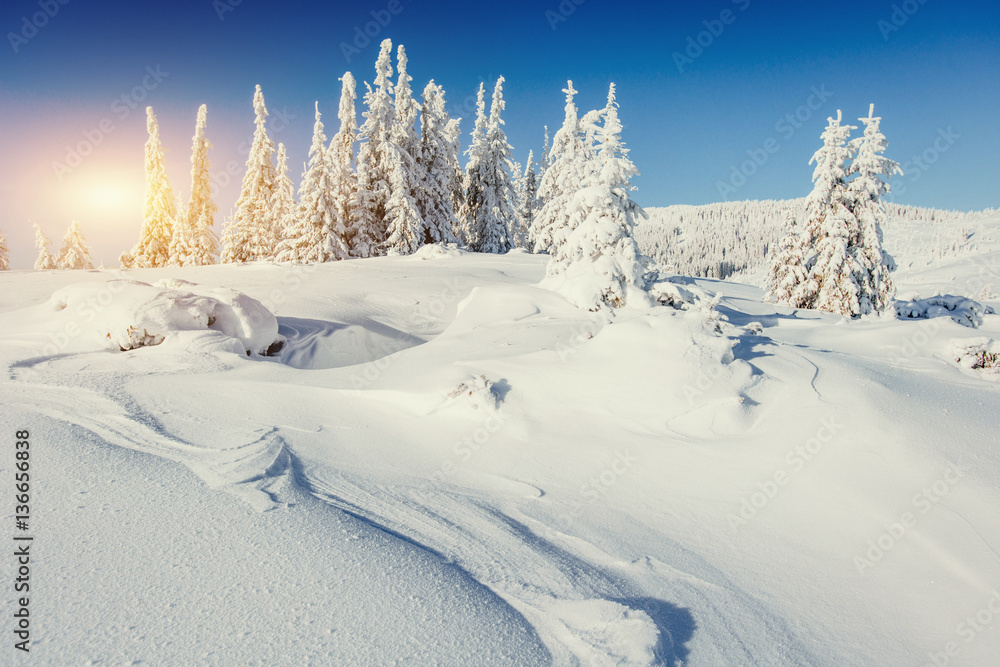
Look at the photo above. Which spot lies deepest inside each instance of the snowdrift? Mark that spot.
(128, 314)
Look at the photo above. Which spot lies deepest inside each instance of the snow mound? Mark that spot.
(438, 251)
(480, 391)
(130, 314)
(978, 354)
(961, 309)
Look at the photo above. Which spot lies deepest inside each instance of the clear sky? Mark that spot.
(704, 87)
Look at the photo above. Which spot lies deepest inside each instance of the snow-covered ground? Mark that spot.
(446, 464)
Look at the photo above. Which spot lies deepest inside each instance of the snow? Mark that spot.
(448, 464)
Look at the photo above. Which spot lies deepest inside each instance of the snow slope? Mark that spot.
(447, 464)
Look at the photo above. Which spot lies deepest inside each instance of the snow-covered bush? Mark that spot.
(479, 391)
(965, 311)
(128, 314)
(978, 354)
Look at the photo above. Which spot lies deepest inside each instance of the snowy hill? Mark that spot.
(447, 464)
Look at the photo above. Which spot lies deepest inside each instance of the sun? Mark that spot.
(106, 196)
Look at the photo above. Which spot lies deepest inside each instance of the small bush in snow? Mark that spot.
(965, 311)
(978, 354)
(479, 390)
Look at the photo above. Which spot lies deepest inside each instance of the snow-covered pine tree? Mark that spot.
(565, 174)
(543, 163)
(870, 169)
(491, 230)
(316, 235)
(520, 187)
(43, 244)
(472, 186)
(375, 158)
(74, 254)
(527, 203)
(439, 172)
(283, 201)
(4, 254)
(789, 269)
(200, 215)
(595, 260)
(341, 154)
(404, 226)
(249, 234)
(833, 229)
(159, 211)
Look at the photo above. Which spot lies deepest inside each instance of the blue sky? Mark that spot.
(754, 76)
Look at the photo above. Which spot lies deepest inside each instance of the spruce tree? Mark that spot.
(43, 244)
(870, 169)
(789, 270)
(375, 160)
(439, 172)
(404, 226)
(527, 202)
(472, 184)
(565, 174)
(595, 261)
(341, 154)
(159, 211)
(74, 254)
(249, 235)
(315, 237)
(496, 212)
(201, 209)
(283, 202)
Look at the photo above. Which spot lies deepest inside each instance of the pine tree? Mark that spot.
(439, 172)
(43, 244)
(315, 236)
(565, 174)
(250, 234)
(200, 215)
(595, 260)
(375, 160)
(472, 185)
(159, 209)
(789, 270)
(832, 228)
(496, 213)
(283, 202)
(404, 226)
(870, 169)
(527, 202)
(74, 254)
(4, 254)
(520, 187)
(341, 153)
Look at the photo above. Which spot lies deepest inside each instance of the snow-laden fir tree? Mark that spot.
(472, 192)
(440, 175)
(520, 186)
(789, 272)
(249, 235)
(159, 211)
(404, 226)
(595, 261)
(74, 254)
(543, 163)
(341, 155)
(833, 227)
(316, 235)
(870, 169)
(43, 244)
(200, 215)
(527, 199)
(283, 200)
(375, 159)
(565, 174)
(496, 211)
(4, 254)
